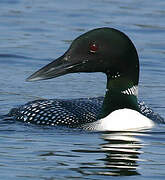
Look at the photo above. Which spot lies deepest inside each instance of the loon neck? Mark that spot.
(121, 93)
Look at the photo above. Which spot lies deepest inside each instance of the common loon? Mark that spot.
(106, 50)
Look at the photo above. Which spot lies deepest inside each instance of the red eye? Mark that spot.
(93, 48)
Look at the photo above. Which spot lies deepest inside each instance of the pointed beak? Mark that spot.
(58, 67)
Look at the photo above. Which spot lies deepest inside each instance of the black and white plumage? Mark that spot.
(70, 113)
(73, 113)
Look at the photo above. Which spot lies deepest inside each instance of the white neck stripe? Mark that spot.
(131, 91)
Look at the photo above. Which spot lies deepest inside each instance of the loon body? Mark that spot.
(104, 50)
(74, 113)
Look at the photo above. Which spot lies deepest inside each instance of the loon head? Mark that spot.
(104, 50)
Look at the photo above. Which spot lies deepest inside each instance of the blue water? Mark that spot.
(33, 33)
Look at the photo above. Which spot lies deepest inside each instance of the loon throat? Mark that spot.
(121, 92)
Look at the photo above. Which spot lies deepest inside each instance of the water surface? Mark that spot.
(32, 34)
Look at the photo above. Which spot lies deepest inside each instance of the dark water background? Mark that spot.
(32, 33)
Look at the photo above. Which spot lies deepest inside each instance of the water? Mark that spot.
(32, 34)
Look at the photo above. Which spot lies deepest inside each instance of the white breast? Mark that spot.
(123, 120)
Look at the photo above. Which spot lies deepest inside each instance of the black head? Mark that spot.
(104, 50)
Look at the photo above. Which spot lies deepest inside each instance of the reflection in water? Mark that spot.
(120, 155)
